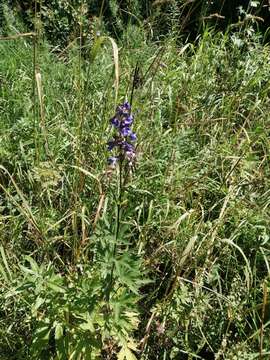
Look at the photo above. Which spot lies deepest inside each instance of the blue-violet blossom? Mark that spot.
(123, 137)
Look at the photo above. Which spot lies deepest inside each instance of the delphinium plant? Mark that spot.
(122, 267)
(122, 156)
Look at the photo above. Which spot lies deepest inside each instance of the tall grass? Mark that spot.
(191, 269)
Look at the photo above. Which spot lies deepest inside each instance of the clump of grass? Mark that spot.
(195, 215)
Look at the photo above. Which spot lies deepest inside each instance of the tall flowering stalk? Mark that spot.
(124, 137)
(123, 156)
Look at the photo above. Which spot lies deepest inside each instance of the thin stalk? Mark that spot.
(40, 125)
(262, 318)
(118, 220)
(80, 81)
(78, 160)
(34, 83)
(119, 205)
(101, 11)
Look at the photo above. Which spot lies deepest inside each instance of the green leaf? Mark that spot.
(126, 354)
(27, 270)
(61, 342)
(40, 341)
(55, 287)
(39, 301)
(34, 265)
(59, 332)
(4, 274)
(87, 326)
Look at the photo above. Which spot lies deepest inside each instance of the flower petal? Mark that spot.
(115, 122)
(125, 131)
(112, 161)
(133, 136)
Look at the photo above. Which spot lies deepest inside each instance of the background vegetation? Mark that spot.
(174, 263)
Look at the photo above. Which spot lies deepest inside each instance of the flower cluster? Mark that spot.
(124, 137)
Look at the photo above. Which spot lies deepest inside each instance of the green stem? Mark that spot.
(35, 39)
(118, 220)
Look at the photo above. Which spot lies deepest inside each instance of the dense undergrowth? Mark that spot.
(178, 266)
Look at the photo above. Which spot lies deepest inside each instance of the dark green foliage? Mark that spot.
(177, 267)
(61, 20)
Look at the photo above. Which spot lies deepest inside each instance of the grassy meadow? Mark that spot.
(166, 259)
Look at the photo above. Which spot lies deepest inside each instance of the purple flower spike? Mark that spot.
(123, 136)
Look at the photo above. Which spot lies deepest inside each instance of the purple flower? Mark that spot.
(126, 105)
(130, 155)
(128, 120)
(123, 109)
(115, 122)
(125, 131)
(128, 147)
(133, 136)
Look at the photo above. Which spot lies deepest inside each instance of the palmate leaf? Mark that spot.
(88, 324)
(128, 271)
(86, 349)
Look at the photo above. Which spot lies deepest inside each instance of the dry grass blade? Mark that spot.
(96, 48)
(101, 193)
(42, 110)
(88, 173)
(187, 251)
(17, 36)
(24, 208)
(6, 274)
(247, 274)
(116, 65)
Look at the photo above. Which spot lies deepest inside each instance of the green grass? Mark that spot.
(191, 262)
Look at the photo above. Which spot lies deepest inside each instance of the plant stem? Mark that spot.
(118, 219)
(35, 39)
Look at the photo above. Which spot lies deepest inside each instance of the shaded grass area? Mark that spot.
(195, 217)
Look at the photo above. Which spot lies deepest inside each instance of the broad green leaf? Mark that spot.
(61, 342)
